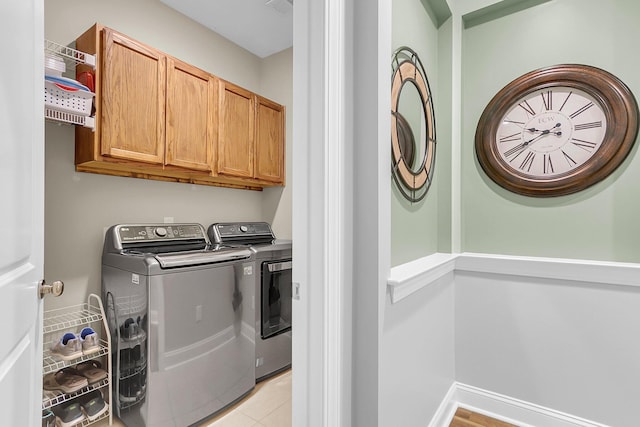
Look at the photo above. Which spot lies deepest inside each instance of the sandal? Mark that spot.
(65, 381)
(92, 370)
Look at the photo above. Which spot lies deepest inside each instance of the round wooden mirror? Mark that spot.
(413, 131)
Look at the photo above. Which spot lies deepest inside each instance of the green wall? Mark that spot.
(417, 229)
(599, 223)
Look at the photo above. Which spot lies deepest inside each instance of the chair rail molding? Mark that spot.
(409, 278)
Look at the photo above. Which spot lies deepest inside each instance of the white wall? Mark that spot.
(569, 345)
(417, 361)
(79, 206)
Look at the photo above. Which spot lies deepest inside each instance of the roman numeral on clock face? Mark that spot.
(569, 160)
(547, 99)
(592, 125)
(585, 145)
(528, 161)
(526, 107)
(514, 137)
(581, 110)
(514, 151)
(547, 166)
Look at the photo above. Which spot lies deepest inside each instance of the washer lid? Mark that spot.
(183, 259)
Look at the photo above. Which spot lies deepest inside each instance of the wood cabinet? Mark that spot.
(269, 147)
(133, 94)
(160, 118)
(236, 131)
(191, 116)
(250, 136)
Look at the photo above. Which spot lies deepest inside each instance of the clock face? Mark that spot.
(556, 130)
(551, 132)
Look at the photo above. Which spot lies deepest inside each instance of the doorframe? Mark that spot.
(341, 222)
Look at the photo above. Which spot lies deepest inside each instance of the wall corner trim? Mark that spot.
(405, 279)
(505, 408)
(409, 278)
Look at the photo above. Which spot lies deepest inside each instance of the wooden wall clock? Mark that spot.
(413, 128)
(556, 130)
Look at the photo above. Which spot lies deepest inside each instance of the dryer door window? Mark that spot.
(276, 297)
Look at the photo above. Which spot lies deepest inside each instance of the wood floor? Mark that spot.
(466, 418)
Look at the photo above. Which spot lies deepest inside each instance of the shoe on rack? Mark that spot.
(89, 340)
(65, 381)
(131, 390)
(93, 405)
(69, 414)
(130, 329)
(68, 347)
(48, 418)
(92, 370)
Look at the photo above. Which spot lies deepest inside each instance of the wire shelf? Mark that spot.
(86, 421)
(64, 397)
(68, 319)
(50, 363)
(71, 55)
(71, 317)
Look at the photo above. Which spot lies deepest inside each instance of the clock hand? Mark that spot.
(521, 147)
(539, 130)
(545, 132)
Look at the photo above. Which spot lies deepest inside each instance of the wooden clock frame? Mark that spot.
(617, 102)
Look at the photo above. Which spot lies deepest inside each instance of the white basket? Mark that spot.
(77, 101)
(54, 65)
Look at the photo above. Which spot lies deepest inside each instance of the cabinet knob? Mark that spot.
(56, 288)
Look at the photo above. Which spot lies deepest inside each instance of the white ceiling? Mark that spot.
(263, 27)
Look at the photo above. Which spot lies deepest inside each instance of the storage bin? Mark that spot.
(67, 98)
(54, 65)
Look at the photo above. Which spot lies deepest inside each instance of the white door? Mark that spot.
(21, 210)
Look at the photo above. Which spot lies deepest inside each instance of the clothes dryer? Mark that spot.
(272, 268)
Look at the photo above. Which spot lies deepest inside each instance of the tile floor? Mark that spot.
(268, 405)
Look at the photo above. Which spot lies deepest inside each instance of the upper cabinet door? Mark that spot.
(191, 116)
(235, 131)
(270, 156)
(133, 100)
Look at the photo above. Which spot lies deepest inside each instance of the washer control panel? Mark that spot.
(160, 232)
(229, 232)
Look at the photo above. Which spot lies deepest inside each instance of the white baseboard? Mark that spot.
(504, 408)
(447, 408)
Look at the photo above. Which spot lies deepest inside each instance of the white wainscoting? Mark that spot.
(541, 341)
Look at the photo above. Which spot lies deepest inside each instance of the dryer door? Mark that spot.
(276, 297)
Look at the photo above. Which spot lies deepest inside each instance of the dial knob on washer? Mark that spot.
(244, 228)
(160, 231)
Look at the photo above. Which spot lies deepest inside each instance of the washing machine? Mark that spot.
(182, 326)
(272, 269)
